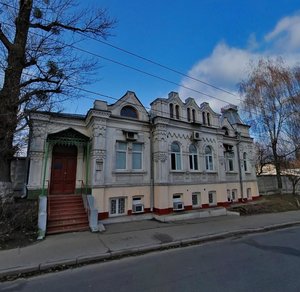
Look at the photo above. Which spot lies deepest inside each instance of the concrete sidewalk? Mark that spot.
(120, 239)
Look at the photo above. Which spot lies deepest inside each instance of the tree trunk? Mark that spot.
(9, 94)
(277, 166)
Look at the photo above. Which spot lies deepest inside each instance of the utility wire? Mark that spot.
(143, 58)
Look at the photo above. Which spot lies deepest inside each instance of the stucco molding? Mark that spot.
(160, 156)
(36, 155)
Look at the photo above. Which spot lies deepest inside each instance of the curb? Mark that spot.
(31, 270)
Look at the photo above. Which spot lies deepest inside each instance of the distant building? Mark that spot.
(178, 156)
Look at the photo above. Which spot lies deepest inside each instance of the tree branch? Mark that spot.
(40, 79)
(28, 95)
(5, 41)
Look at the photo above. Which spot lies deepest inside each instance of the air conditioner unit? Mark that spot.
(131, 136)
(178, 206)
(196, 135)
(137, 208)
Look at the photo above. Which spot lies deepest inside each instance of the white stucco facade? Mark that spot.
(178, 156)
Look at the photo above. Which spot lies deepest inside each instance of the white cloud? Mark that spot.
(227, 66)
(286, 34)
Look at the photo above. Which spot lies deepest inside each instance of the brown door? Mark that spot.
(63, 170)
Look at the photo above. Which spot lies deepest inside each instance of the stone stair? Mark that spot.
(66, 213)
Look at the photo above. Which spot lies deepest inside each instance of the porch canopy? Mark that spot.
(68, 137)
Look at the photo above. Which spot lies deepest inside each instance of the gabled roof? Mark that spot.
(205, 106)
(129, 98)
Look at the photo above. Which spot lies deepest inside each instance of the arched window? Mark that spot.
(175, 156)
(171, 110)
(188, 114)
(194, 115)
(177, 111)
(208, 158)
(208, 119)
(129, 111)
(203, 118)
(193, 157)
(245, 161)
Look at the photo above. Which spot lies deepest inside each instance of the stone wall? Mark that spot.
(267, 185)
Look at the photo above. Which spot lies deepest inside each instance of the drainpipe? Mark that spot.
(45, 167)
(87, 165)
(151, 168)
(238, 134)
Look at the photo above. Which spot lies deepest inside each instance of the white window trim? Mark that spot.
(142, 157)
(206, 156)
(214, 203)
(198, 194)
(117, 207)
(176, 156)
(122, 151)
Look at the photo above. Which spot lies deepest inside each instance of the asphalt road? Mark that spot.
(264, 262)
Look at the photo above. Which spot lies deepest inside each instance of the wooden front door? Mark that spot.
(63, 170)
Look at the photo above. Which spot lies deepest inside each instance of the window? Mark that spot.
(177, 112)
(137, 151)
(196, 199)
(175, 156)
(229, 198)
(249, 193)
(212, 198)
(126, 159)
(229, 165)
(208, 119)
(234, 195)
(188, 114)
(203, 118)
(193, 157)
(117, 206)
(121, 155)
(208, 158)
(129, 111)
(245, 161)
(194, 115)
(171, 110)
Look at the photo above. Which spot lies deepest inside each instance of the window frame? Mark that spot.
(245, 162)
(229, 158)
(193, 158)
(171, 109)
(188, 111)
(118, 206)
(129, 111)
(140, 152)
(177, 112)
(176, 157)
(214, 198)
(198, 196)
(209, 160)
(121, 151)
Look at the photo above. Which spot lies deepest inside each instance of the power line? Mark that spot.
(110, 97)
(131, 67)
(145, 59)
(155, 63)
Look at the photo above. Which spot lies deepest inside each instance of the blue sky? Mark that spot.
(212, 40)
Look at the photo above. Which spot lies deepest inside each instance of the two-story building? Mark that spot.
(177, 156)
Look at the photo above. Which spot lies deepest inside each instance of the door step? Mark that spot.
(66, 213)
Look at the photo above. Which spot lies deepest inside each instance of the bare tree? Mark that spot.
(39, 63)
(270, 96)
(263, 157)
